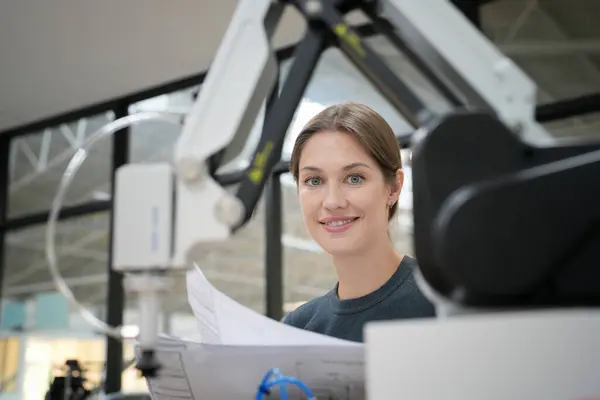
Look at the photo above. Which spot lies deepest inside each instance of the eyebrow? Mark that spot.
(347, 167)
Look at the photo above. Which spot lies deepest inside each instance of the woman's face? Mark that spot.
(343, 195)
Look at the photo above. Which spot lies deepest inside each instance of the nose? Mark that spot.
(334, 198)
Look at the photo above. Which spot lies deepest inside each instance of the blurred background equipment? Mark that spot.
(68, 384)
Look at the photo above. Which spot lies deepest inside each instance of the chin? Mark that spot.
(341, 246)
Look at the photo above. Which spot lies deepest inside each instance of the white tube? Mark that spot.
(148, 319)
(66, 180)
(149, 288)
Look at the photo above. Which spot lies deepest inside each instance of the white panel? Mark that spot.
(551, 355)
(143, 210)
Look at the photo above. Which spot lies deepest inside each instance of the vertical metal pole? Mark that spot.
(274, 248)
(273, 232)
(116, 294)
(4, 183)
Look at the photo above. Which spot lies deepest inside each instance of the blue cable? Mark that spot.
(293, 381)
(274, 377)
(265, 387)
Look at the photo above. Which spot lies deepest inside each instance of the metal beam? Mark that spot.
(273, 230)
(561, 36)
(39, 158)
(569, 108)
(17, 290)
(535, 48)
(116, 291)
(4, 179)
(274, 249)
(527, 48)
(586, 62)
(528, 10)
(68, 212)
(31, 270)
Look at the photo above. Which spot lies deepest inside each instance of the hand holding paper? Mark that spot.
(221, 320)
(237, 347)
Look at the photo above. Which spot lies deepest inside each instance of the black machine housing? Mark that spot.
(499, 223)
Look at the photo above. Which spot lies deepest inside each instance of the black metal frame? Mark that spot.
(4, 183)
(273, 230)
(116, 293)
(283, 107)
(279, 118)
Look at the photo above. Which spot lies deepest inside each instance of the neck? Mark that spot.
(363, 273)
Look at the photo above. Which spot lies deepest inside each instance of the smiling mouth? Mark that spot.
(339, 223)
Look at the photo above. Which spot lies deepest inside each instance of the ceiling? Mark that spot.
(556, 42)
(60, 55)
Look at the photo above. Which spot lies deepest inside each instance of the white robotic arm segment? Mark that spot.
(164, 212)
(455, 48)
(243, 71)
(241, 76)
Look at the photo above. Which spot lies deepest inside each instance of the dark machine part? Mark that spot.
(70, 385)
(502, 224)
(148, 364)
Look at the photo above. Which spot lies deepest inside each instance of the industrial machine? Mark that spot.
(70, 384)
(506, 218)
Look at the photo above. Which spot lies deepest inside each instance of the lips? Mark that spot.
(338, 224)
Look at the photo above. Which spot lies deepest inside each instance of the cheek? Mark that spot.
(309, 203)
(369, 201)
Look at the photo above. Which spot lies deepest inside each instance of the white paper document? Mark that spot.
(236, 348)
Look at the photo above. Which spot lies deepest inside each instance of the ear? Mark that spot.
(396, 189)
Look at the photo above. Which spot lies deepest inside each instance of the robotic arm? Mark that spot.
(164, 212)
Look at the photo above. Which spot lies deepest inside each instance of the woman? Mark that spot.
(347, 165)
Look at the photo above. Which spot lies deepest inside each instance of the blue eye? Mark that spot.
(355, 179)
(312, 181)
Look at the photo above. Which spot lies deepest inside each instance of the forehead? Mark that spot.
(333, 150)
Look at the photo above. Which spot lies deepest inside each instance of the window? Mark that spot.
(9, 364)
(38, 161)
(45, 357)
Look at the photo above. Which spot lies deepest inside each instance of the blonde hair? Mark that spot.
(368, 127)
